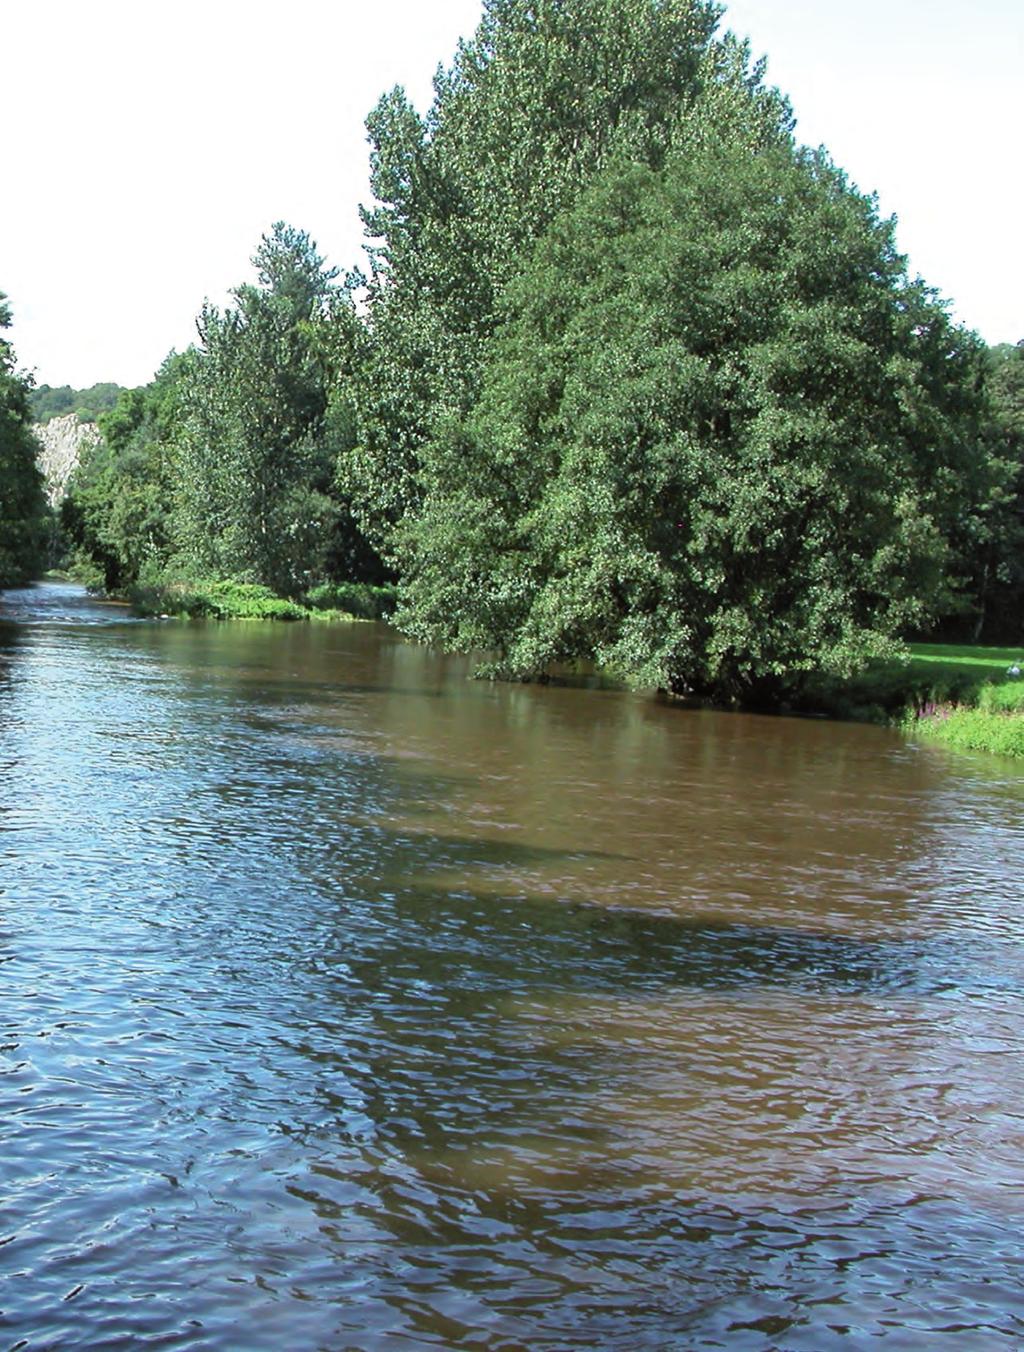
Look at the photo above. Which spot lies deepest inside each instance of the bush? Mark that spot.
(231, 600)
(226, 600)
(1008, 698)
(360, 599)
(974, 730)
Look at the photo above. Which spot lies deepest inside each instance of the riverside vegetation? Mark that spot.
(23, 509)
(967, 696)
(633, 378)
(227, 600)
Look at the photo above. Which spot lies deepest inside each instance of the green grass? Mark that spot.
(957, 694)
(215, 600)
(973, 730)
(993, 660)
(361, 599)
(229, 600)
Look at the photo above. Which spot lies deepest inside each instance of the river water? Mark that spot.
(347, 1003)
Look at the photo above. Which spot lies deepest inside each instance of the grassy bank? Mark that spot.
(226, 600)
(359, 599)
(961, 695)
(988, 716)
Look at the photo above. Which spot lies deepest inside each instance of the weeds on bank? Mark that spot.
(229, 600)
(215, 601)
(992, 719)
(361, 599)
(973, 730)
(961, 695)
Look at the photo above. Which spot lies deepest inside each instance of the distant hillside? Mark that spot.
(61, 442)
(51, 401)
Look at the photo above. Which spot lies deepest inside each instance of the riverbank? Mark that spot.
(228, 600)
(965, 696)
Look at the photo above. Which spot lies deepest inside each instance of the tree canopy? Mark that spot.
(118, 514)
(721, 438)
(224, 466)
(51, 401)
(632, 378)
(532, 106)
(23, 512)
(995, 595)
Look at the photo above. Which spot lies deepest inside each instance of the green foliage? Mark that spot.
(361, 599)
(540, 99)
(229, 600)
(720, 443)
(974, 730)
(24, 518)
(224, 466)
(995, 556)
(224, 600)
(51, 401)
(642, 385)
(255, 455)
(1007, 698)
(117, 517)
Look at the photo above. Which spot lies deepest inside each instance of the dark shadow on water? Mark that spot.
(427, 851)
(589, 1264)
(509, 934)
(520, 942)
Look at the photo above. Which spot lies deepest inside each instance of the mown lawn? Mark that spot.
(994, 661)
(987, 717)
(960, 694)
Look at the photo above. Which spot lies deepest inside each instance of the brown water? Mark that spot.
(347, 1003)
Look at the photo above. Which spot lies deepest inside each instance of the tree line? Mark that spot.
(24, 524)
(630, 376)
(54, 401)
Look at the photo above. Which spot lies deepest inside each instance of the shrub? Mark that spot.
(227, 600)
(974, 730)
(361, 599)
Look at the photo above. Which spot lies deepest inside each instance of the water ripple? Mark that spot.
(348, 1004)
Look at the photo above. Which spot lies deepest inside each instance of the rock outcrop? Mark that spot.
(61, 443)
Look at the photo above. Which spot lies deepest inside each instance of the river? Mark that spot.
(348, 1003)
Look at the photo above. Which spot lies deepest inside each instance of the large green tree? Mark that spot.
(223, 467)
(995, 608)
(722, 439)
(23, 512)
(256, 469)
(118, 516)
(541, 97)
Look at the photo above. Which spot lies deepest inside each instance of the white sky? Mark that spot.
(149, 145)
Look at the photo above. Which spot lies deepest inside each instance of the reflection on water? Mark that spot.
(348, 1003)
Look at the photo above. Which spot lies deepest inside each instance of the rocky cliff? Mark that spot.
(61, 443)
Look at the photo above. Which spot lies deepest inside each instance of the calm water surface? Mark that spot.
(349, 1004)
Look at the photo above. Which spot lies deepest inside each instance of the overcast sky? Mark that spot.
(149, 146)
